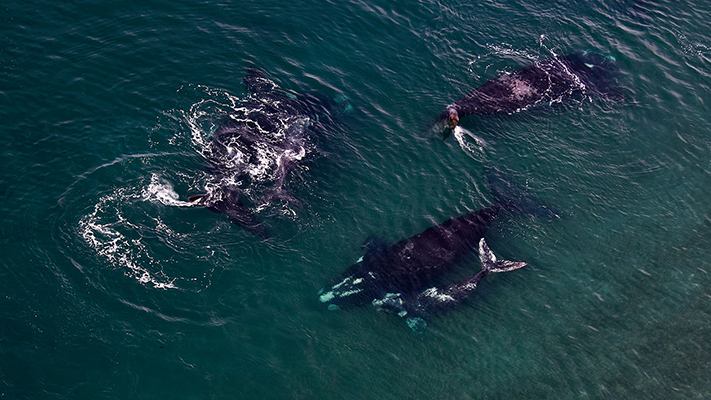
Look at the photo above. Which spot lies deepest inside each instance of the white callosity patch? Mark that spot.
(343, 282)
(392, 302)
(469, 287)
(326, 297)
(349, 292)
(520, 90)
(347, 287)
(435, 294)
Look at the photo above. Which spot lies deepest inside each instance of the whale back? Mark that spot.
(597, 71)
(413, 263)
(410, 264)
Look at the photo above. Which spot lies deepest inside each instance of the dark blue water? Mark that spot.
(113, 286)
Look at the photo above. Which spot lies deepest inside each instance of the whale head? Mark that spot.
(350, 290)
(447, 121)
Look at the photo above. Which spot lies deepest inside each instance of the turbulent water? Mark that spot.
(114, 285)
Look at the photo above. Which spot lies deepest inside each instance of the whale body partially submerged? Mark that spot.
(547, 81)
(399, 278)
(256, 147)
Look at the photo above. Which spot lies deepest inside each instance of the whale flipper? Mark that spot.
(373, 244)
(197, 198)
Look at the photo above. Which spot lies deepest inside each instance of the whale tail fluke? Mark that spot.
(439, 299)
(491, 264)
(197, 198)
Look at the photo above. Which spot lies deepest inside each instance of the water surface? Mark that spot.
(111, 287)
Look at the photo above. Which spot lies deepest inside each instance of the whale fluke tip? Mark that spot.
(196, 197)
(491, 264)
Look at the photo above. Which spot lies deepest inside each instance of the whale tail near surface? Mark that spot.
(491, 264)
(436, 300)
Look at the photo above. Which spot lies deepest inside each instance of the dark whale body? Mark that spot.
(546, 81)
(399, 278)
(257, 146)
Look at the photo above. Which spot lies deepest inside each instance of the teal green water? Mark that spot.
(110, 289)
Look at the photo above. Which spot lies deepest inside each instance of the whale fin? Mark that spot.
(417, 324)
(373, 245)
(196, 198)
(491, 264)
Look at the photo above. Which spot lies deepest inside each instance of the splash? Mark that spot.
(162, 191)
(252, 143)
(472, 144)
(102, 230)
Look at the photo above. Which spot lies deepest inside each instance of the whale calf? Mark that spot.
(545, 81)
(255, 148)
(399, 278)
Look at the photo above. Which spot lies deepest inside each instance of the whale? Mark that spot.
(254, 150)
(543, 82)
(400, 278)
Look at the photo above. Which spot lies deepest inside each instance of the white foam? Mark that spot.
(469, 142)
(162, 191)
(100, 231)
(260, 161)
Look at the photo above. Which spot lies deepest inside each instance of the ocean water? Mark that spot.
(112, 285)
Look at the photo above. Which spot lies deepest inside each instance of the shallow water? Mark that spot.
(112, 285)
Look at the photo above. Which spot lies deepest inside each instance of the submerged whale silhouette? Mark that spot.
(398, 278)
(256, 148)
(546, 81)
